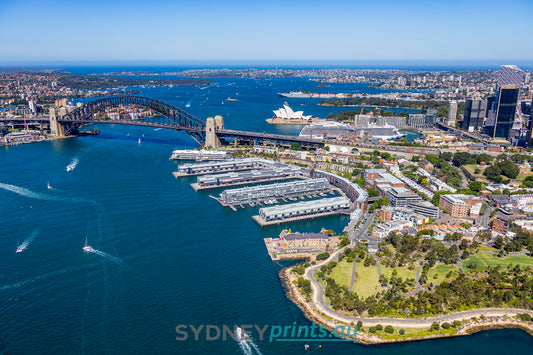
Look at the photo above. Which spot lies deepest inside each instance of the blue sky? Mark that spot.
(57, 31)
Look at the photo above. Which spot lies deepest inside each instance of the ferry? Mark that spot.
(295, 94)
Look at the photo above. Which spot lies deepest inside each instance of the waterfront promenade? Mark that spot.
(317, 309)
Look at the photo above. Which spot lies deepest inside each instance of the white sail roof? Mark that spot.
(287, 113)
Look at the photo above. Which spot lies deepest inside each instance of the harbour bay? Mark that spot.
(184, 258)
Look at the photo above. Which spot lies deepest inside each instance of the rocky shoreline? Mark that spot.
(472, 326)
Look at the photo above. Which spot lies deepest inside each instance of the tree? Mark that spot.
(389, 329)
(528, 181)
(296, 146)
(464, 158)
(476, 186)
(322, 256)
(498, 242)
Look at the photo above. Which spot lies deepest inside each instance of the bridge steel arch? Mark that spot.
(180, 120)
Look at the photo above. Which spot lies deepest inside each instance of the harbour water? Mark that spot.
(167, 255)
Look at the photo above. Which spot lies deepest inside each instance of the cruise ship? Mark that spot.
(386, 132)
(332, 129)
(295, 94)
(286, 115)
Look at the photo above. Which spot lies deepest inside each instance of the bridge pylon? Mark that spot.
(212, 125)
(56, 128)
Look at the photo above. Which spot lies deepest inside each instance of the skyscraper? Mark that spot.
(501, 114)
(510, 75)
(475, 112)
(452, 113)
(431, 116)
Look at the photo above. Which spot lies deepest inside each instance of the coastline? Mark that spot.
(48, 139)
(474, 324)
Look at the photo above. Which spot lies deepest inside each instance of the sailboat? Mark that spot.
(48, 186)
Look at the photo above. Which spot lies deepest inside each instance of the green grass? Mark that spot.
(410, 332)
(402, 272)
(342, 273)
(472, 167)
(484, 260)
(521, 177)
(367, 282)
(484, 247)
(439, 270)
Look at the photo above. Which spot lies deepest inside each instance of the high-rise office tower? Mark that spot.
(431, 116)
(452, 113)
(501, 114)
(475, 112)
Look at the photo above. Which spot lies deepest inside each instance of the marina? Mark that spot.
(254, 194)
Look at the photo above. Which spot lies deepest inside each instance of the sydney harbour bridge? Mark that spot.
(209, 133)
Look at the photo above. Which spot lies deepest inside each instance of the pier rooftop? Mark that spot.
(301, 210)
(199, 155)
(214, 167)
(249, 176)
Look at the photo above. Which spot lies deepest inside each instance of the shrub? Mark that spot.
(359, 325)
(446, 325)
(322, 256)
(456, 323)
(389, 329)
(402, 332)
(435, 326)
(372, 329)
(379, 327)
(524, 317)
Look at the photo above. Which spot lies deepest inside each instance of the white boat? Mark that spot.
(48, 186)
(20, 248)
(188, 105)
(87, 248)
(70, 168)
(239, 334)
(139, 141)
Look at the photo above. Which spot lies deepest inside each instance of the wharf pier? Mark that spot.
(215, 167)
(249, 177)
(263, 223)
(302, 210)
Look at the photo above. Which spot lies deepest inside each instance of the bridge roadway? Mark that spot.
(226, 134)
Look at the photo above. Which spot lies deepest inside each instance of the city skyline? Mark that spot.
(60, 32)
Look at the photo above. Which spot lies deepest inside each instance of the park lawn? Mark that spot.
(472, 167)
(411, 332)
(483, 247)
(440, 270)
(484, 260)
(402, 272)
(367, 282)
(342, 273)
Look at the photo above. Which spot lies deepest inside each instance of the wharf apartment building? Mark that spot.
(459, 205)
